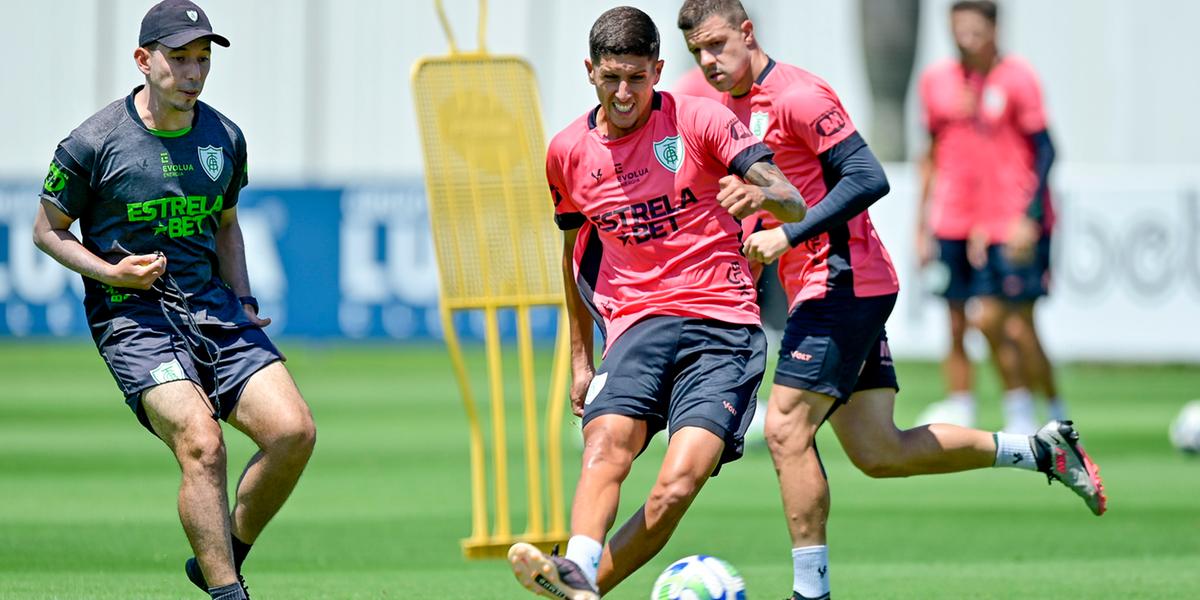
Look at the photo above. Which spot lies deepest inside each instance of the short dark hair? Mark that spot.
(623, 30)
(987, 8)
(695, 12)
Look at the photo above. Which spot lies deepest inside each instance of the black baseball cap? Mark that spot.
(175, 24)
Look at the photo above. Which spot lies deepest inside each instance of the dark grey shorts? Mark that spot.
(675, 372)
(837, 346)
(142, 357)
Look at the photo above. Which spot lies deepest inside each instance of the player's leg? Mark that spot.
(623, 409)
(958, 407)
(717, 369)
(158, 376)
(868, 433)
(1002, 283)
(611, 443)
(692, 455)
(820, 357)
(1031, 281)
(1035, 365)
(875, 445)
(793, 417)
(273, 414)
(258, 397)
(180, 414)
(1018, 401)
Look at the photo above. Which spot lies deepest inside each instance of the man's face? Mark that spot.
(625, 87)
(723, 53)
(973, 33)
(177, 74)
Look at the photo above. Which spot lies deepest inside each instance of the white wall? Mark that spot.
(321, 86)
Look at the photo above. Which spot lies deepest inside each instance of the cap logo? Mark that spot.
(193, 15)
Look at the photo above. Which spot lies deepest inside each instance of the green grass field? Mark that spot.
(87, 498)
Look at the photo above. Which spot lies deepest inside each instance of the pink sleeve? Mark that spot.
(816, 116)
(925, 91)
(566, 214)
(1029, 110)
(722, 135)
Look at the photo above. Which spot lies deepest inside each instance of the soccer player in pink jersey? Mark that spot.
(985, 201)
(694, 83)
(648, 189)
(834, 363)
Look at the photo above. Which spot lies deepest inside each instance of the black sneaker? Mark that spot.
(551, 577)
(191, 568)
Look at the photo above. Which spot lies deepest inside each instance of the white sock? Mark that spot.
(585, 552)
(961, 398)
(1014, 450)
(810, 571)
(1019, 415)
(1058, 409)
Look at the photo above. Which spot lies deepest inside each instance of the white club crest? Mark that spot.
(669, 152)
(758, 124)
(193, 15)
(212, 160)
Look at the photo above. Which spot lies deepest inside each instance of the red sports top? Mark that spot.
(983, 159)
(800, 117)
(654, 239)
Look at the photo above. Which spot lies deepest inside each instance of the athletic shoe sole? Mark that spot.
(538, 574)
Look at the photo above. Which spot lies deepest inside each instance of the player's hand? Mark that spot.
(741, 199)
(1022, 239)
(925, 249)
(252, 314)
(766, 246)
(977, 248)
(581, 380)
(138, 271)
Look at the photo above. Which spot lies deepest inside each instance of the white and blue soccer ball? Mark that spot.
(699, 577)
(1185, 429)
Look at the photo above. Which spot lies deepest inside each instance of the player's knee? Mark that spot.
(673, 495)
(201, 447)
(787, 434)
(604, 452)
(299, 437)
(877, 462)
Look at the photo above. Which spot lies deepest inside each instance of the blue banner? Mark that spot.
(353, 263)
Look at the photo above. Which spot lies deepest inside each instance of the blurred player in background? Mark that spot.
(648, 189)
(153, 179)
(834, 362)
(985, 214)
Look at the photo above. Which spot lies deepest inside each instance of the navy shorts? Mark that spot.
(141, 357)
(837, 346)
(999, 278)
(675, 372)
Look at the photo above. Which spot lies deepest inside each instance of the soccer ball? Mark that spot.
(699, 577)
(1185, 430)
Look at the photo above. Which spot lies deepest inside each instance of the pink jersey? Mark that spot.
(984, 176)
(654, 240)
(800, 117)
(694, 83)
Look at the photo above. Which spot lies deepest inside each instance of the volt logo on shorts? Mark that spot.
(168, 371)
(594, 388)
(804, 356)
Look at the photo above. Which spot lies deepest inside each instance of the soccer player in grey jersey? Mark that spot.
(153, 179)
